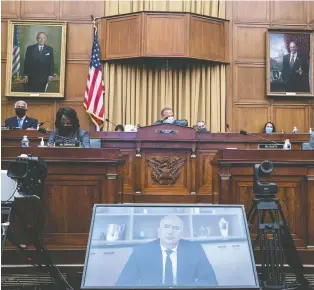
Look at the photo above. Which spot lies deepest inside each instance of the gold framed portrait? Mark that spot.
(289, 63)
(36, 53)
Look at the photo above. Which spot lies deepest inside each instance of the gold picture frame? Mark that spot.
(36, 52)
(289, 63)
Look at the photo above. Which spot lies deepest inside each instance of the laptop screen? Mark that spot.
(169, 246)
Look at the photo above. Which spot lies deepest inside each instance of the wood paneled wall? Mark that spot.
(79, 44)
(248, 107)
(247, 104)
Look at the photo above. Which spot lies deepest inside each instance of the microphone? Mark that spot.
(245, 133)
(108, 121)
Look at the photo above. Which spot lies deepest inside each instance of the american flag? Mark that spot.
(93, 100)
(16, 51)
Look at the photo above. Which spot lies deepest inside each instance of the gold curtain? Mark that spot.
(136, 93)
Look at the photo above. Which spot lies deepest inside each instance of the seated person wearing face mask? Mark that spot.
(68, 130)
(269, 128)
(310, 145)
(201, 127)
(168, 118)
(21, 120)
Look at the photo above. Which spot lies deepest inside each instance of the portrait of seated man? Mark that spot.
(168, 260)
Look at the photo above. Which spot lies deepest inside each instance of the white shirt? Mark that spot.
(40, 46)
(23, 119)
(294, 57)
(174, 261)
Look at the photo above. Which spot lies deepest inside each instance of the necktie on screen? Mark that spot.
(40, 49)
(168, 269)
(292, 60)
(19, 123)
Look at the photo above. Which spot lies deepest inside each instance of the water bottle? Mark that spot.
(295, 130)
(287, 145)
(25, 142)
(310, 131)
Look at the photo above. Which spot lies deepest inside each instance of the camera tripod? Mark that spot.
(275, 243)
(24, 230)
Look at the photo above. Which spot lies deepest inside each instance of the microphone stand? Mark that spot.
(258, 137)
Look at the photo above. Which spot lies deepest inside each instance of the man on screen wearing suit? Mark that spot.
(295, 71)
(21, 120)
(38, 65)
(168, 260)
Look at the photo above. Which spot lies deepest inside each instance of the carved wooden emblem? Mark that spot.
(166, 171)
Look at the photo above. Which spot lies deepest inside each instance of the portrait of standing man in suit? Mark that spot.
(38, 65)
(289, 63)
(295, 71)
(36, 52)
(168, 260)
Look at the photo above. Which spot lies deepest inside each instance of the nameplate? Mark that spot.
(270, 146)
(166, 131)
(66, 145)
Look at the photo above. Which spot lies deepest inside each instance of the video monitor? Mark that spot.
(169, 246)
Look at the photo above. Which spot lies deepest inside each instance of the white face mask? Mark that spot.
(169, 120)
(269, 130)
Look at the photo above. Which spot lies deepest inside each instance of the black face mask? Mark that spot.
(20, 112)
(66, 129)
(202, 129)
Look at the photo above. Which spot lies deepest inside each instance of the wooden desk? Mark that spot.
(141, 150)
(294, 174)
(77, 179)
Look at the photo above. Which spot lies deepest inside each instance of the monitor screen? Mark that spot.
(169, 246)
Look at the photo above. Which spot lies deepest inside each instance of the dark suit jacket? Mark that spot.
(28, 123)
(183, 123)
(144, 266)
(38, 67)
(81, 135)
(293, 81)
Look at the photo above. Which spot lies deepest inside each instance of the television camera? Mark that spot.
(264, 189)
(25, 223)
(275, 240)
(29, 173)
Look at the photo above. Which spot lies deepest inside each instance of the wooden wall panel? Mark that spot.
(3, 68)
(289, 12)
(312, 117)
(10, 9)
(246, 83)
(80, 40)
(204, 171)
(156, 44)
(251, 118)
(311, 12)
(255, 36)
(4, 35)
(45, 114)
(81, 10)
(249, 83)
(129, 30)
(62, 200)
(251, 11)
(75, 80)
(40, 9)
(287, 117)
(201, 45)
